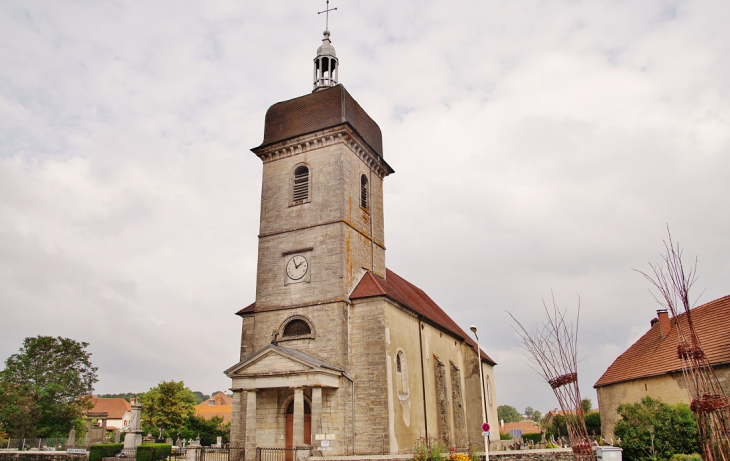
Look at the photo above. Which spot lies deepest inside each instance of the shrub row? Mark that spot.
(153, 451)
(105, 450)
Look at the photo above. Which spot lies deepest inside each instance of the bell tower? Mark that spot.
(322, 194)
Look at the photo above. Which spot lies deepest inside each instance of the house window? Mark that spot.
(297, 327)
(364, 192)
(301, 185)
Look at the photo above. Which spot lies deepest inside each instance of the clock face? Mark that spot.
(297, 267)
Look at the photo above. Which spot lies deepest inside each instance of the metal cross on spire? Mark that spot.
(327, 15)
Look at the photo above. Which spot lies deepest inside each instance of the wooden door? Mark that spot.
(290, 430)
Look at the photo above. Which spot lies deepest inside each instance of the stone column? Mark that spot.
(237, 425)
(250, 442)
(87, 439)
(316, 411)
(298, 430)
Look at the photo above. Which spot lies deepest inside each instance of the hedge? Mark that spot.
(153, 451)
(536, 437)
(104, 450)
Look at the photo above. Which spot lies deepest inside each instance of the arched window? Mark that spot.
(297, 327)
(301, 184)
(364, 192)
(401, 376)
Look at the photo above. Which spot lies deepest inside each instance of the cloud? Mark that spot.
(538, 148)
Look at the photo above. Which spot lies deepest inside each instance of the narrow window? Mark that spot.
(397, 363)
(301, 184)
(364, 192)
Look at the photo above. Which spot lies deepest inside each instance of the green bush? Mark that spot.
(104, 450)
(693, 457)
(153, 451)
(535, 437)
(653, 429)
(505, 436)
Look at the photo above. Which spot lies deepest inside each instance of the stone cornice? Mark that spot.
(341, 134)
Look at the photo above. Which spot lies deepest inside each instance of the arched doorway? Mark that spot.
(290, 424)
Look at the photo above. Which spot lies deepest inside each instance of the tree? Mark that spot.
(167, 405)
(208, 429)
(536, 416)
(593, 423)
(200, 397)
(509, 414)
(652, 429)
(529, 412)
(49, 379)
(586, 404)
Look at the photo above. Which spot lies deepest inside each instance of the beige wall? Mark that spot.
(406, 414)
(670, 388)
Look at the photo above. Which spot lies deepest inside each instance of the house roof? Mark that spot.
(412, 297)
(115, 408)
(654, 355)
(221, 399)
(528, 427)
(208, 411)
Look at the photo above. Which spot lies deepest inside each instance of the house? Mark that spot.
(652, 367)
(119, 411)
(519, 428)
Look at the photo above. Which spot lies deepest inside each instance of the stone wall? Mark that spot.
(41, 456)
(368, 368)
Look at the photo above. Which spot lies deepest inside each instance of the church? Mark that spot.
(337, 350)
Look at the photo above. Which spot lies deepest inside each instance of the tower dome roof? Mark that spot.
(326, 49)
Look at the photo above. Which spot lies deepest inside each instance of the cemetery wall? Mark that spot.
(41, 456)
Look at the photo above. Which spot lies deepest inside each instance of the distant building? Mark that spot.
(520, 428)
(119, 411)
(218, 405)
(652, 367)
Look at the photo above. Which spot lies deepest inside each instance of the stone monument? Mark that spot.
(133, 439)
(71, 438)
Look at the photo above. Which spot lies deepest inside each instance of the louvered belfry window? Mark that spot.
(297, 327)
(364, 192)
(301, 184)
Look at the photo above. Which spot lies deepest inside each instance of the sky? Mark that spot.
(540, 147)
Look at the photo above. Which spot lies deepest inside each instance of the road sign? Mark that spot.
(485, 427)
(325, 443)
(485, 434)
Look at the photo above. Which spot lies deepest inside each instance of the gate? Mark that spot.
(276, 454)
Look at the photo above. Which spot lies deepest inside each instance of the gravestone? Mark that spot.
(71, 438)
(168, 440)
(117, 435)
(218, 442)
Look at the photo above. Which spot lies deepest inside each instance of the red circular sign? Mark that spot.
(485, 427)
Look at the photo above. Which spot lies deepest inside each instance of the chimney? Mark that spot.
(664, 324)
(653, 322)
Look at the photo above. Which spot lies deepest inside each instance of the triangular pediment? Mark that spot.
(276, 360)
(273, 362)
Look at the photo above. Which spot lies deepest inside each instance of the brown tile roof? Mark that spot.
(208, 411)
(412, 297)
(247, 310)
(653, 355)
(528, 427)
(222, 399)
(317, 111)
(115, 408)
